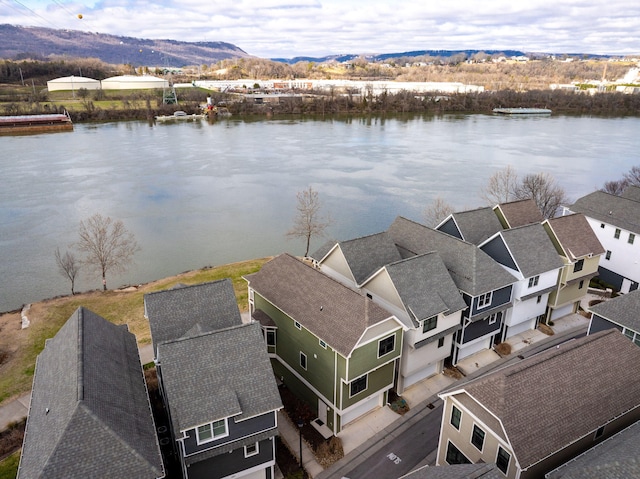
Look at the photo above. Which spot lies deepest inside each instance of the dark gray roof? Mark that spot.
(532, 249)
(189, 310)
(472, 270)
(631, 192)
(318, 302)
(89, 414)
(425, 287)
(623, 310)
(217, 375)
(321, 252)
(477, 225)
(456, 471)
(622, 211)
(368, 254)
(575, 236)
(579, 376)
(519, 213)
(615, 458)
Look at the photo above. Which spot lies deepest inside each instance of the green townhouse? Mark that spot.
(333, 347)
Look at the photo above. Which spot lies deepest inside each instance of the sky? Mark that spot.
(290, 28)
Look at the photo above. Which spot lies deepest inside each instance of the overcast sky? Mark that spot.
(288, 28)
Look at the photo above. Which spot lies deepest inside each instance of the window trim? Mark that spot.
(579, 263)
(484, 300)
(213, 437)
(322, 344)
(303, 366)
(533, 281)
(453, 409)
(297, 325)
(429, 321)
(506, 469)
(473, 434)
(616, 233)
(459, 452)
(366, 385)
(391, 350)
(270, 332)
(256, 445)
(632, 238)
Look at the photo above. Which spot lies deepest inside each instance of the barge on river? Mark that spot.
(11, 125)
(522, 111)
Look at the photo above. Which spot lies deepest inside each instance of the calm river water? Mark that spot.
(198, 194)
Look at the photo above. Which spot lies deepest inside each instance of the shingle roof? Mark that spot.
(520, 213)
(456, 471)
(89, 414)
(189, 310)
(532, 249)
(622, 211)
(477, 225)
(217, 375)
(614, 458)
(368, 254)
(575, 236)
(472, 270)
(624, 310)
(333, 312)
(580, 381)
(631, 192)
(425, 287)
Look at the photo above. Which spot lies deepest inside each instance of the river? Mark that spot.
(200, 194)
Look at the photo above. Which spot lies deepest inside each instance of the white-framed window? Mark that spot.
(270, 335)
(502, 460)
(477, 437)
(386, 345)
(251, 449)
(358, 385)
(494, 317)
(303, 360)
(533, 281)
(297, 325)
(211, 431)
(322, 344)
(616, 235)
(632, 238)
(484, 300)
(456, 417)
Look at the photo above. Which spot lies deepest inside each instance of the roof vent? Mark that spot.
(46, 410)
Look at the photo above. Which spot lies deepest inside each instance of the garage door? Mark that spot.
(361, 408)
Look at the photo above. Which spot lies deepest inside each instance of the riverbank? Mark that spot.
(19, 348)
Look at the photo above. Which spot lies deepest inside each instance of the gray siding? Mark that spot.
(478, 329)
(611, 278)
(498, 251)
(499, 298)
(450, 228)
(600, 324)
(231, 463)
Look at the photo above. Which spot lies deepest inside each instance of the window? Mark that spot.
(369, 295)
(303, 360)
(608, 255)
(578, 265)
(251, 450)
(297, 324)
(539, 298)
(599, 433)
(271, 337)
(454, 456)
(358, 385)
(616, 235)
(494, 317)
(386, 345)
(581, 284)
(632, 238)
(484, 300)
(322, 344)
(502, 461)
(429, 324)
(456, 415)
(534, 281)
(602, 225)
(211, 431)
(441, 342)
(477, 438)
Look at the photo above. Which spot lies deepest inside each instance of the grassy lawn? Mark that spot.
(9, 466)
(47, 317)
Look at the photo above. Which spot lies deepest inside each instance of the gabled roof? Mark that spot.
(89, 414)
(623, 310)
(456, 471)
(616, 457)
(531, 249)
(472, 270)
(425, 287)
(575, 236)
(631, 192)
(519, 213)
(475, 226)
(333, 312)
(578, 377)
(368, 254)
(217, 375)
(622, 211)
(188, 310)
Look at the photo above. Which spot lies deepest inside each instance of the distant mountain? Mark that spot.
(35, 42)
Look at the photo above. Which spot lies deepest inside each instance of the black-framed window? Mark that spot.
(303, 360)
(441, 342)
(358, 385)
(534, 281)
(455, 456)
(386, 345)
(632, 238)
(456, 415)
(599, 433)
(477, 438)
(616, 235)
(502, 460)
(578, 265)
(429, 324)
(607, 256)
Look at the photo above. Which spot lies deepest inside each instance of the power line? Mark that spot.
(35, 14)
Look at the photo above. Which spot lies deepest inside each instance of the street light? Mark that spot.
(300, 424)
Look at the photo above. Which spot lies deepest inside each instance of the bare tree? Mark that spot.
(544, 190)
(68, 266)
(435, 212)
(615, 187)
(633, 176)
(108, 245)
(501, 186)
(308, 221)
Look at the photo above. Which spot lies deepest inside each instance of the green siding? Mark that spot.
(376, 381)
(365, 358)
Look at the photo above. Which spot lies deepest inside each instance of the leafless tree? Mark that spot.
(633, 176)
(107, 244)
(615, 187)
(435, 212)
(308, 221)
(68, 266)
(501, 186)
(544, 190)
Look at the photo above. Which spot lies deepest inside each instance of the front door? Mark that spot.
(322, 412)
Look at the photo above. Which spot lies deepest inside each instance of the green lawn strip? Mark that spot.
(9, 466)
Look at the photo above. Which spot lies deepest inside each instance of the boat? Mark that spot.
(16, 124)
(180, 116)
(522, 111)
